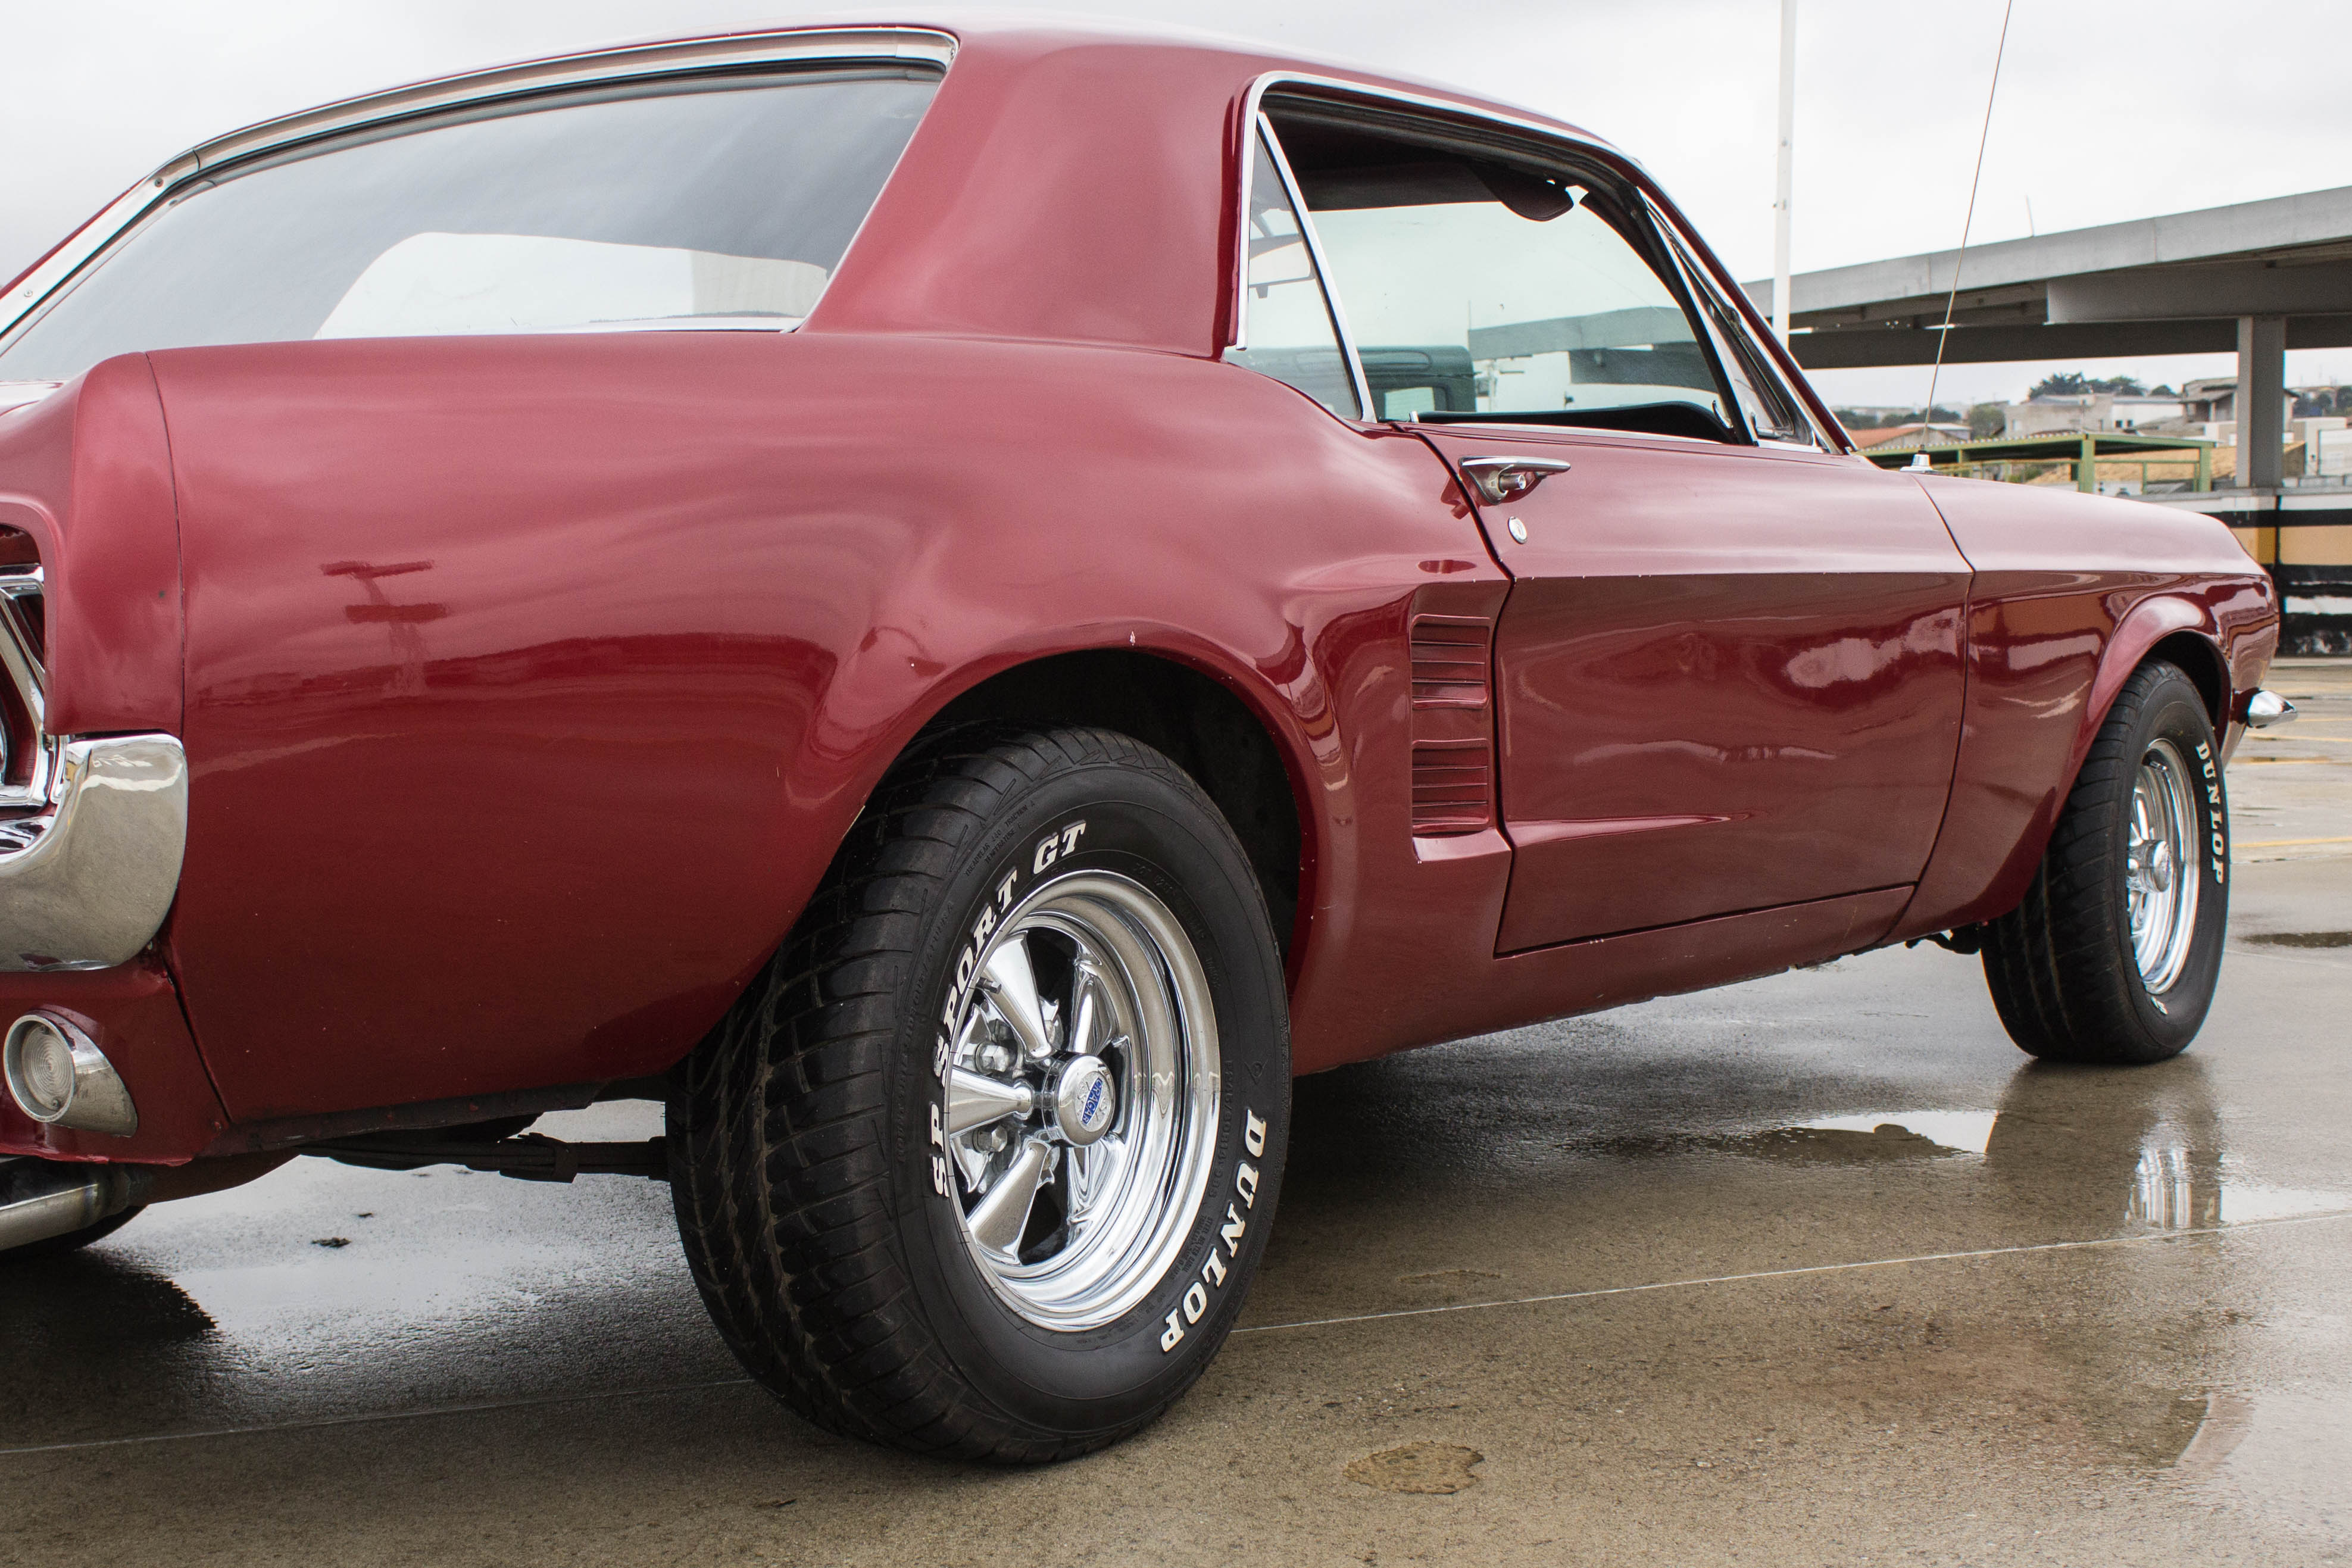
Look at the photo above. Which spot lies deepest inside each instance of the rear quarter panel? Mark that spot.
(533, 682)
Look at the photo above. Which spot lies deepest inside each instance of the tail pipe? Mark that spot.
(40, 1199)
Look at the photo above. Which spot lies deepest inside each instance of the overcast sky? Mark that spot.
(2107, 111)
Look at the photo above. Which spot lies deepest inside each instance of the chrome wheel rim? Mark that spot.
(2161, 879)
(1082, 1100)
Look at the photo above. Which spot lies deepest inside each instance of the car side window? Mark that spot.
(716, 203)
(1765, 401)
(1287, 330)
(1478, 289)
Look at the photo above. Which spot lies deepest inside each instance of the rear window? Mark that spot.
(726, 203)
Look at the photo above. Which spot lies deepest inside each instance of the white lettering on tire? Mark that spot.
(2221, 843)
(1214, 1269)
(1056, 846)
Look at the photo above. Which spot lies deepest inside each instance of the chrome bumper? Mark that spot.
(86, 884)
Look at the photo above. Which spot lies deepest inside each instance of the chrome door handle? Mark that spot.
(1508, 479)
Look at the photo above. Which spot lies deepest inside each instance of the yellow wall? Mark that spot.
(2261, 544)
(2324, 546)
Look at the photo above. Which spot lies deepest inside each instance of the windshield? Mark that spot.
(726, 203)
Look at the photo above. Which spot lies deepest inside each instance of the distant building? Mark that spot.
(2211, 401)
(2093, 414)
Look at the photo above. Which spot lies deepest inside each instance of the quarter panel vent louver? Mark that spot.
(1452, 786)
(1450, 656)
(1452, 729)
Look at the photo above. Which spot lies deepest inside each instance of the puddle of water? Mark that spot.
(2176, 1178)
(2278, 1453)
(1952, 1131)
(2244, 1201)
(1870, 1138)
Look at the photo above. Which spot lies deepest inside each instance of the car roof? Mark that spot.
(1072, 182)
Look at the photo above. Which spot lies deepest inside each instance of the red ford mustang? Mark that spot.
(959, 608)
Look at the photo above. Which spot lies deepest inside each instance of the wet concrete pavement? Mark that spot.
(1814, 1269)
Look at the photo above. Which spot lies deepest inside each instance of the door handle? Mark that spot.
(1508, 479)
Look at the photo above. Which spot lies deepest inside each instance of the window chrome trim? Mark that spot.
(1264, 128)
(1723, 323)
(24, 670)
(1558, 136)
(1254, 115)
(632, 62)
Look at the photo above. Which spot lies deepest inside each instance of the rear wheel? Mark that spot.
(2114, 955)
(984, 1163)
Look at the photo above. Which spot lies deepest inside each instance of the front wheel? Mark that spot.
(2114, 955)
(982, 1164)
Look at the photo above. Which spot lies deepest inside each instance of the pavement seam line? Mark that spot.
(1795, 1273)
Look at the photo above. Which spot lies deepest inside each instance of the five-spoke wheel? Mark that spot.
(1081, 1100)
(984, 1163)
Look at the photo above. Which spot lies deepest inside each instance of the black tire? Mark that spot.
(802, 1131)
(73, 1240)
(2061, 966)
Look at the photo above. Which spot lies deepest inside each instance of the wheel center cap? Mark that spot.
(1084, 1100)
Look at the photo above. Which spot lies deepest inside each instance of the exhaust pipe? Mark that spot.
(40, 1199)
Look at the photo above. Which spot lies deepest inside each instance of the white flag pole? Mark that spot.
(1786, 171)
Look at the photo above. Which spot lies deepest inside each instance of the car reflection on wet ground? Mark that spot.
(1813, 1270)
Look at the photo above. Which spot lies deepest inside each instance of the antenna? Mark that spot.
(1927, 416)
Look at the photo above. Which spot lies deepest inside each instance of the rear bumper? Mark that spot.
(87, 883)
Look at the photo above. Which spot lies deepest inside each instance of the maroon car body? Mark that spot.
(528, 684)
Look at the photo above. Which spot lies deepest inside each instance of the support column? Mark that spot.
(2261, 398)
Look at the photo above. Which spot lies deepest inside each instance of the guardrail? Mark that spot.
(2083, 452)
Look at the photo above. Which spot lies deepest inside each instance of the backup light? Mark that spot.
(57, 1075)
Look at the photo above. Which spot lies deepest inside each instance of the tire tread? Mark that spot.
(778, 1121)
(2050, 963)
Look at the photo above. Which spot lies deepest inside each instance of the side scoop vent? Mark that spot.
(1452, 786)
(1452, 729)
(1451, 654)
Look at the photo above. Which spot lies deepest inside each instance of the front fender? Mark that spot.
(2148, 623)
(2071, 594)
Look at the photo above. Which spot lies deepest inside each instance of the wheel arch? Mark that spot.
(1227, 744)
(2171, 629)
(2178, 630)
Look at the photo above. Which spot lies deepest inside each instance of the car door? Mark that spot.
(1728, 668)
